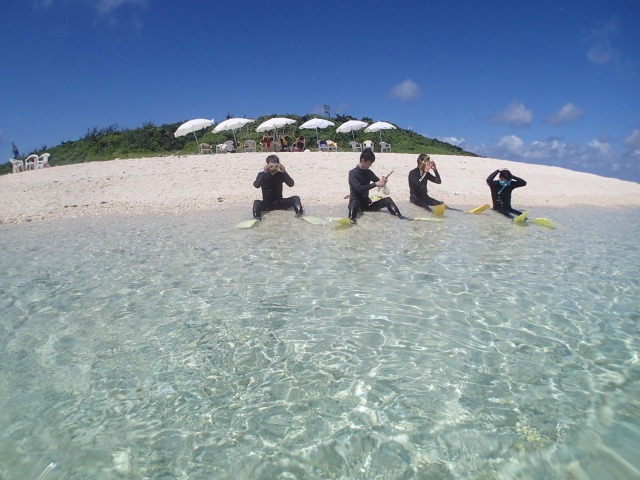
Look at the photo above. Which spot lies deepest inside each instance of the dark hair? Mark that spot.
(367, 155)
(506, 174)
(273, 159)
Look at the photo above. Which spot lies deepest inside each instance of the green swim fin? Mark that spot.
(247, 223)
(313, 220)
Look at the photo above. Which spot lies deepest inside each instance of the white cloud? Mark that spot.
(459, 142)
(602, 51)
(43, 3)
(516, 114)
(406, 91)
(512, 145)
(598, 156)
(108, 6)
(633, 140)
(566, 114)
(601, 147)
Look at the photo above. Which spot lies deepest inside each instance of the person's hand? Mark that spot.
(382, 182)
(281, 168)
(266, 168)
(433, 166)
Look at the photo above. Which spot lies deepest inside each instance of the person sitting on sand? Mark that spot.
(418, 178)
(271, 178)
(501, 191)
(299, 147)
(361, 180)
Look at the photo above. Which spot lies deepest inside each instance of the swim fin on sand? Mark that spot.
(247, 223)
(438, 210)
(480, 209)
(544, 222)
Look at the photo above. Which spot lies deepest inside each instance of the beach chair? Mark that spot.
(43, 161)
(30, 162)
(367, 144)
(205, 148)
(385, 147)
(18, 165)
(220, 148)
(355, 146)
(322, 146)
(333, 146)
(249, 146)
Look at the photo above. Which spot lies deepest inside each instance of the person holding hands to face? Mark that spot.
(418, 178)
(270, 180)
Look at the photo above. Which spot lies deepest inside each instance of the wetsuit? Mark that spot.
(501, 194)
(360, 182)
(418, 188)
(272, 194)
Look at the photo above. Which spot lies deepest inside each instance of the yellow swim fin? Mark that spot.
(480, 209)
(438, 210)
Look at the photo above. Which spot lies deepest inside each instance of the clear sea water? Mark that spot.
(184, 348)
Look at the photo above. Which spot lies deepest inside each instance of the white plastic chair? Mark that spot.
(355, 146)
(43, 160)
(249, 146)
(367, 144)
(18, 165)
(385, 147)
(220, 148)
(31, 162)
(205, 148)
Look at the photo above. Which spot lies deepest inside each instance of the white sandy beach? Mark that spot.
(196, 183)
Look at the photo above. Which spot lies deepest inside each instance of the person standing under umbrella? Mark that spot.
(361, 180)
(271, 178)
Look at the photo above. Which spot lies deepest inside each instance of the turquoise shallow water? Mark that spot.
(181, 347)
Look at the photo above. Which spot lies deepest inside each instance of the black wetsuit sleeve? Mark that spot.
(287, 179)
(259, 179)
(435, 179)
(361, 188)
(519, 182)
(491, 177)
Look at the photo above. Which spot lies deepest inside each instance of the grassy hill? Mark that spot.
(151, 140)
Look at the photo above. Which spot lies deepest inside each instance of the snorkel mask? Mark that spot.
(504, 184)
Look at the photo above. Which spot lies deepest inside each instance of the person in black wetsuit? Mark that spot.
(501, 191)
(418, 178)
(361, 180)
(270, 180)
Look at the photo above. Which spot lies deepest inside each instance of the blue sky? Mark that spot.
(551, 82)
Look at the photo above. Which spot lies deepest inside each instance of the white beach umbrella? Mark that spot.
(378, 127)
(232, 124)
(316, 123)
(350, 126)
(192, 126)
(274, 123)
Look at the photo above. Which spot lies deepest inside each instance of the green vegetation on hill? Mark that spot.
(151, 140)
